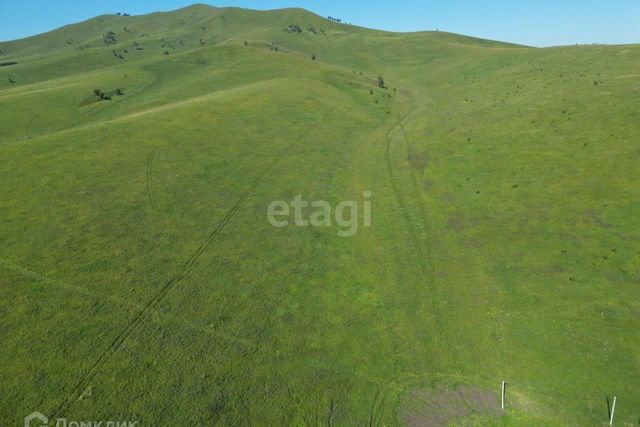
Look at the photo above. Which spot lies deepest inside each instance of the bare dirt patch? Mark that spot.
(443, 405)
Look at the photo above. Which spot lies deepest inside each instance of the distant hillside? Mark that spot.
(194, 24)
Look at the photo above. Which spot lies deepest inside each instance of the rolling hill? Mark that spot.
(141, 279)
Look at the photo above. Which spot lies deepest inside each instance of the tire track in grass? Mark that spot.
(428, 270)
(135, 323)
(152, 199)
(377, 411)
(448, 353)
(377, 407)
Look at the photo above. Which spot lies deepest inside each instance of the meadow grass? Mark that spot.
(142, 281)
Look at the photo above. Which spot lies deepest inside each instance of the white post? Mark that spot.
(504, 387)
(613, 410)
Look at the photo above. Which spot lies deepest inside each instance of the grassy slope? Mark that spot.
(505, 215)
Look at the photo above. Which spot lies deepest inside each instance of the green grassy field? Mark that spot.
(141, 279)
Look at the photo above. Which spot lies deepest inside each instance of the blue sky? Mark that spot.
(536, 23)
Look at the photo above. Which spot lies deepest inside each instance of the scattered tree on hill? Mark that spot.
(166, 52)
(381, 82)
(110, 38)
(119, 92)
(246, 43)
(11, 80)
(313, 57)
(294, 28)
(100, 94)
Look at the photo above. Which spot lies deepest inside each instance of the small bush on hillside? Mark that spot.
(11, 80)
(313, 57)
(166, 52)
(246, 43)
(119, 92)
(381, 82)
(294, 28)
